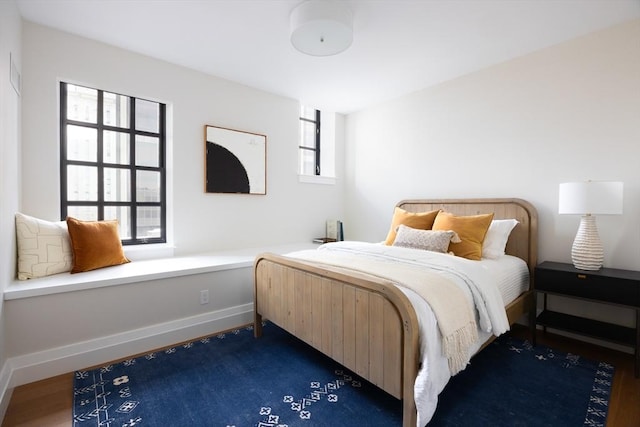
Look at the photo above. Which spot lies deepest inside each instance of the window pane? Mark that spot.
(82, 104)
(123, 215)
(116, 147)
(308, 113)
(82, 143)
(147, 116)
(307, 162)
(117, 185)
(82, 183)
(148, 222)
(147, 151)
(307, 134)
(116, 110)
(84, 213)
(148, 186)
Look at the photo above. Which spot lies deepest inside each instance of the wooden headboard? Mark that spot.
(523, 241)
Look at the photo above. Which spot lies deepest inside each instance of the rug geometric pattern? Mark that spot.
(511, 383)
(233, 379)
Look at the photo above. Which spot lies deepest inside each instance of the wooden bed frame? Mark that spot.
(366, 323)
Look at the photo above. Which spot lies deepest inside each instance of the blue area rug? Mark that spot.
(511, 384)
(233, 379)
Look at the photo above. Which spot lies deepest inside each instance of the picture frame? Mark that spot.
(235, 161)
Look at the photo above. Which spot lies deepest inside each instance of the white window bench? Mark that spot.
(64, 322)
(141, 271)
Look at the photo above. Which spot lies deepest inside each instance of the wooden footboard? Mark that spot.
(364, 323)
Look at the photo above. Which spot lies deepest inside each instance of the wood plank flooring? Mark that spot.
(47, 403)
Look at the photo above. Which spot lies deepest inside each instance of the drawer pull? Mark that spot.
(582, 276)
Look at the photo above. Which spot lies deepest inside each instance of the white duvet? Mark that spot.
(472, 277)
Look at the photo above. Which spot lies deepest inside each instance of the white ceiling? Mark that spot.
(399, 46)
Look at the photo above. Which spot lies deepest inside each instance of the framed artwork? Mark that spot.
(235, 161)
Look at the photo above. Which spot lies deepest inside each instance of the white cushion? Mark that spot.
(497, 236)
(44, 247)
(430, 240)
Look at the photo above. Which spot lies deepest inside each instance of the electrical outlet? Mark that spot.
(204, 296)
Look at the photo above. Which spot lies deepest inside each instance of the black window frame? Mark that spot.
(316, 148)
(101, 203)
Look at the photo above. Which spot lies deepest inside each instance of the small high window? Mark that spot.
(309, 141)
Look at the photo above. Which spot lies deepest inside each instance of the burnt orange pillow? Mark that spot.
(471, 230)
(95, 244)
(419, 220)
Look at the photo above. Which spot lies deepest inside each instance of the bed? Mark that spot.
(363, 320)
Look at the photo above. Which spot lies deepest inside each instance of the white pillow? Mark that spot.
(430, 240)
(44, 247)
(496, 238)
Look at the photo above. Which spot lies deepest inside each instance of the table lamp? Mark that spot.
(587, 199)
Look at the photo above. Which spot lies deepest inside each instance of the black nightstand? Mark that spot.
(607, 286)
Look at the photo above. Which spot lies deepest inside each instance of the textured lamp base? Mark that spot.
(587, 252)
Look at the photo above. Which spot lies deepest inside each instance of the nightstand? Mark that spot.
(606, 286)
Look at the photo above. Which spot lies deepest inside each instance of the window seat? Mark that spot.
(143, 270)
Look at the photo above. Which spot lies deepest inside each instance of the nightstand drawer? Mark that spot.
(589, 285)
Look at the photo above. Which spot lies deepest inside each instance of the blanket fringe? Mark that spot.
(455, 346)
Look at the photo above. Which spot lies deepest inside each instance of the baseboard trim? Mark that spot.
(5, 389)
(49, 363)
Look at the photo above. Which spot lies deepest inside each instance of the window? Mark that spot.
(309, 141)
(112, 161)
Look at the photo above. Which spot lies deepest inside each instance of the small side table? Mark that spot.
(606, 286)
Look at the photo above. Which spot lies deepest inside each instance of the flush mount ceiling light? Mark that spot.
(321, 28)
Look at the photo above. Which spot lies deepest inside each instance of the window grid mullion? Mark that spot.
(133, 169)
(100, 156)
(63, 151)
(317, 156)
(163, 178)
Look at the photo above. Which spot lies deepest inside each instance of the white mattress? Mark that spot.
(511, 276)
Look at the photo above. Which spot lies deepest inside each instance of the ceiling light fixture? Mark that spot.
(321, 28)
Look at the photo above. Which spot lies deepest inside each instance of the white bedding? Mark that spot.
(490, 283)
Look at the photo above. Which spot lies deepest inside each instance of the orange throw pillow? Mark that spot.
(95, 244)
(471, 230)
(418, 220)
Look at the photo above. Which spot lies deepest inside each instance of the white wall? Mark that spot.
(517, 129)
(10, 44)
(202, 222)
(51, 334)
(570, 112)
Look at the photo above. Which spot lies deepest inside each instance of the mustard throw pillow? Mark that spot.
(95, 244)
(419, 220)
(471, 230)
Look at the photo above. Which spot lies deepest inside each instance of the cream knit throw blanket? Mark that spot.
(452, 308)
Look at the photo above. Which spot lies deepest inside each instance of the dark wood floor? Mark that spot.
(47, 403)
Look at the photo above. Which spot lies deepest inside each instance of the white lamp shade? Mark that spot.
(321, 28)
(590, 197)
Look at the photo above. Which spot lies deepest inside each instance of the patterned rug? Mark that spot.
(235, 380)
(511, 384)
